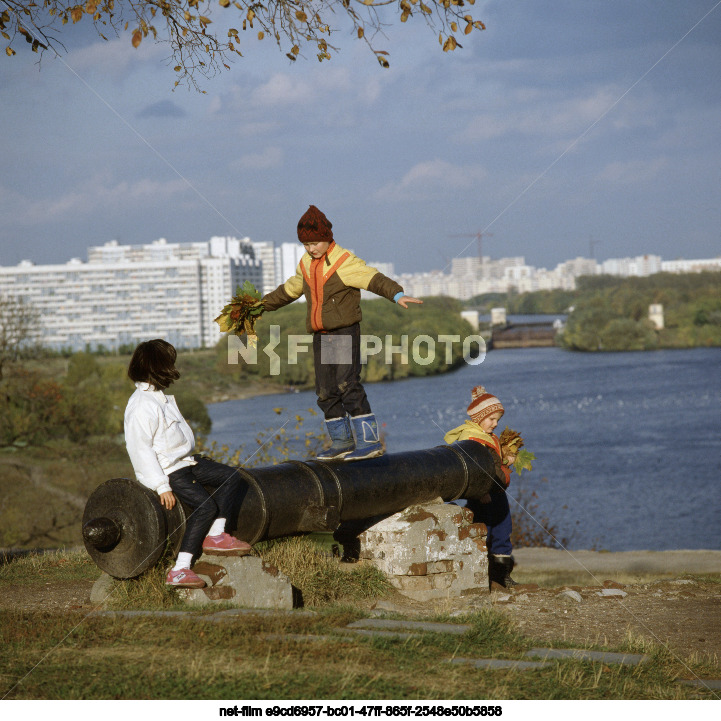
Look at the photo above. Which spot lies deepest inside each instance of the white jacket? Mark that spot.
(158, 439)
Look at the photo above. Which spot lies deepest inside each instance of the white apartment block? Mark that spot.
(265, 253)
(125, 294)
(287, 257)
(691, 266)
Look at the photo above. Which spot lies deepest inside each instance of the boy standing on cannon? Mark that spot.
(331, 279)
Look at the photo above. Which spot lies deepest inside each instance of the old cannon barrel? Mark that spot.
(125, 528)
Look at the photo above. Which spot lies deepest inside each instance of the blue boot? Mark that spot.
(367, 441)
(340, 433)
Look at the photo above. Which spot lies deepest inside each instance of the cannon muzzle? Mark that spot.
(125, 528)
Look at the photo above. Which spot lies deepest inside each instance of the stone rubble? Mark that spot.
(429, 551)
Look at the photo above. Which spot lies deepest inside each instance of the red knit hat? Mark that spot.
(314, 227)
(483, 404)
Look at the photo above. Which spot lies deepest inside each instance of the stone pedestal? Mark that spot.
(430, 551)
(245, 581)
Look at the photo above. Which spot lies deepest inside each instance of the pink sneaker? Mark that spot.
(225, 545)
(184, 578)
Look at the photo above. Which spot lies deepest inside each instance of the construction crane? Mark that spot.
(479, 238)
(591, 245)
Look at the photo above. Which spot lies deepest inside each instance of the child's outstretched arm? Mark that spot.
(403, 301)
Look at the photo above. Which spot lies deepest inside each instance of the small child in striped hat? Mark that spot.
(485, 411)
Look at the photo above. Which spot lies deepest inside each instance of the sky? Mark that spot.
(563, 129)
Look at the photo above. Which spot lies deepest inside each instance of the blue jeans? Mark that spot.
(222, 502)
(497, 517)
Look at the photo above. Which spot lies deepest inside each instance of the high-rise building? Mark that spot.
(128, 293)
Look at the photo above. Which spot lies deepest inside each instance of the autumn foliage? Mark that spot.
(297, 27)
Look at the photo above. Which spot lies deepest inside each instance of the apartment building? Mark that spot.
(128, 293)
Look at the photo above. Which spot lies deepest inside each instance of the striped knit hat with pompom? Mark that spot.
(314, 227)
(483, 404)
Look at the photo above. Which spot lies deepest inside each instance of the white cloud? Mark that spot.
(88, 198)
(531, 113)
(270, 157)
(281, 89)
(432, 177)
(634, 171)
(115, 58)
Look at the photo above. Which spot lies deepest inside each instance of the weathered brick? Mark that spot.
(445, 566)
(418, 569)
(219, 593)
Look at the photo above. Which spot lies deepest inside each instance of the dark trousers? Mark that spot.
(187, 485)
(336, 357)
(497, 517)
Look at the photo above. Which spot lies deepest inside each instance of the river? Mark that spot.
(628, 445)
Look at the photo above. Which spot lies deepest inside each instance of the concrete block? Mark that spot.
(247, 582)
(625, 659)
(457, 629)
(431, 550)
(499, 663)
(101, 590)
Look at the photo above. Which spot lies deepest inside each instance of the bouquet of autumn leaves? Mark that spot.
(242, 313)
(512, 445)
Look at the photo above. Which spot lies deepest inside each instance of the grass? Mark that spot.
(556, 579)
(35, 569)
(161, 658)
(74, 655)
(318, 575)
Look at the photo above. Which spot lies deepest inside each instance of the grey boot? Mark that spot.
(367, 440)
(340, 433)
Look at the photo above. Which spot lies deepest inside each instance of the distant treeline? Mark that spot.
(56, 398)
(73, 400)
(607, 313)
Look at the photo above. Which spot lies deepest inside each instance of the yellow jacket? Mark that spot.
(332, 286)
(471, 431)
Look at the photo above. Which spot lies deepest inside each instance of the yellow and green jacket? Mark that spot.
(471, 431)
(331, 285)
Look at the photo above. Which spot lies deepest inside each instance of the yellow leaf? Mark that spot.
(454, 27)
(277, 410)
(468, 29)
(9, 52)
(204, 20)
(91, 7)
(76, 13)
(224, 3)
(361, 32)
(301, 15)
(177, 68)
(261, 35)
(250, 15)
(137, 38)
